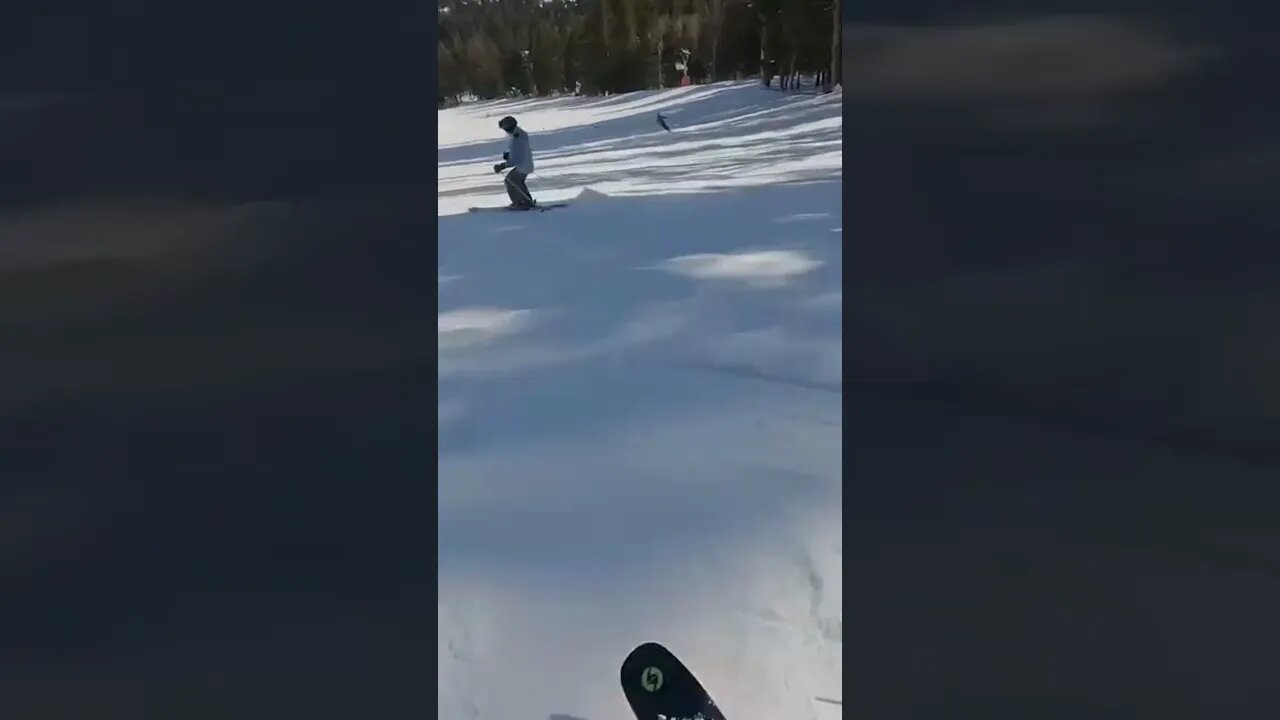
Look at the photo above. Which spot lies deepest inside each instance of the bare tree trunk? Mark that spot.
(660, 30)
(716, 11)
(764, 50)
(528, 66)
(658, 65)
(715, 46)
(837, 35)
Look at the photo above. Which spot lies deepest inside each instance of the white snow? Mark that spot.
(472, 325)
(640, 404)
(767, 268)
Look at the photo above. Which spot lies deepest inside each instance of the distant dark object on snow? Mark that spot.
(663, 122)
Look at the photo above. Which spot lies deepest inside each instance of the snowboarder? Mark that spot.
(662, 120)
(519, 159)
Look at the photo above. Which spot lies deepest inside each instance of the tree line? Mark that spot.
(503, 48)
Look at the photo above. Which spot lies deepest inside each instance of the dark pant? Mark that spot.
(517, 190)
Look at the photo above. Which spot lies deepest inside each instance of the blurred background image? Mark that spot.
(1066, 424)
(212, 313)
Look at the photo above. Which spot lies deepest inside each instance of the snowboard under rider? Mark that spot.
(519, 159)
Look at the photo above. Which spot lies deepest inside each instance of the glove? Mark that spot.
(498, 168)
(505, 156)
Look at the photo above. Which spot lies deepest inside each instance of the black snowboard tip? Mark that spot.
(658, 685)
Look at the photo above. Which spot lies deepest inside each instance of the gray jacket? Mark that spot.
(520, 155)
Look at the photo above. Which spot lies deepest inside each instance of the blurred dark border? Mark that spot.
(235, 98)
(1062, 429)
(217, 468)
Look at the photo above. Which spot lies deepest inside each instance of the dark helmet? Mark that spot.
(507, 124)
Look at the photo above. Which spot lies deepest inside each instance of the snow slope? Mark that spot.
(640, 404)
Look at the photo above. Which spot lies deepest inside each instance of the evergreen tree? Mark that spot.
(495, 48)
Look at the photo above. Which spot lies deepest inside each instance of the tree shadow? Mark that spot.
(639, 121)
(654, 166)
(604, 298)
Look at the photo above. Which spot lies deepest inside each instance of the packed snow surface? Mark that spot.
(640, 403)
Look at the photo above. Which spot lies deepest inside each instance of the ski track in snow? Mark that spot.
(640, 408)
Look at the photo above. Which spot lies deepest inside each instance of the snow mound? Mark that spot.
(471, 325)
(769, 268)
(589, 195)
